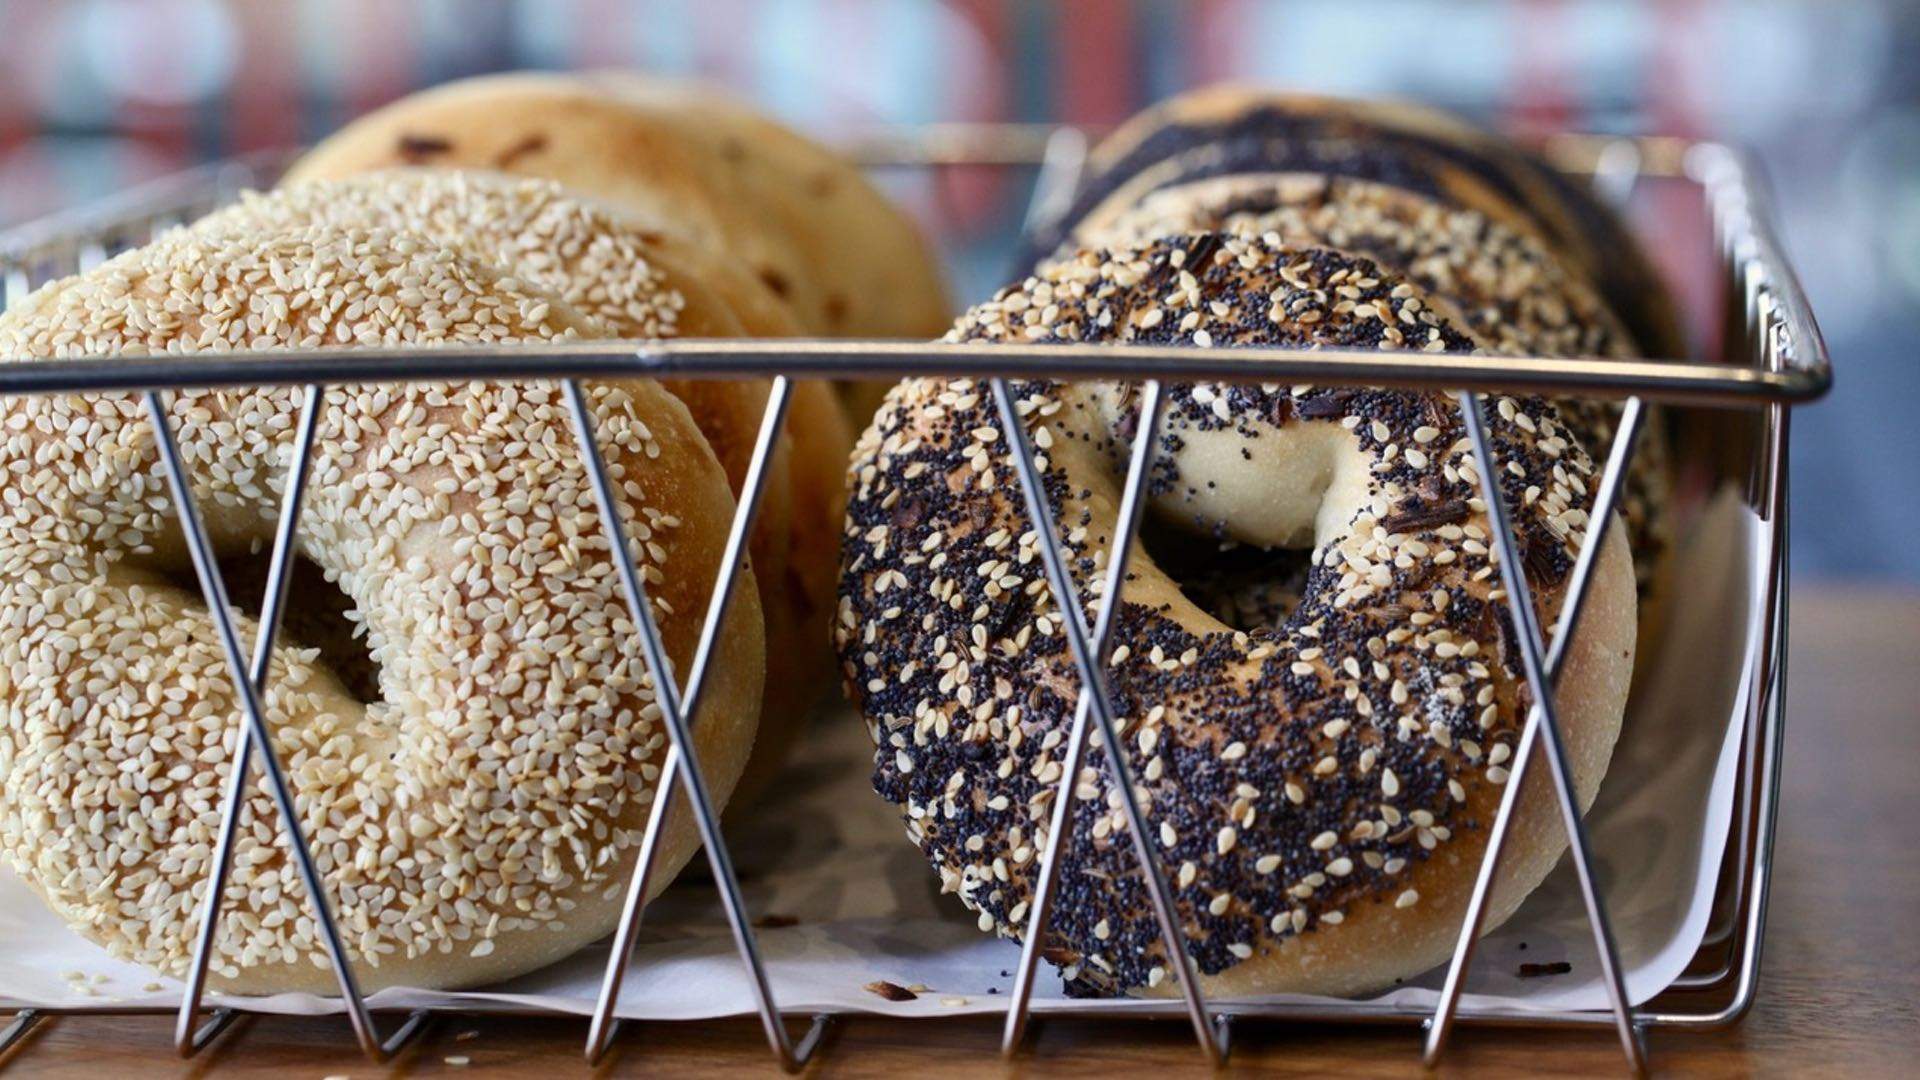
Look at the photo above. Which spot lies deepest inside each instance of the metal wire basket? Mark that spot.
(1772, 358)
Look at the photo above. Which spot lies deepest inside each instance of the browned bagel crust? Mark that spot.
(1319, 792)
(878, 275)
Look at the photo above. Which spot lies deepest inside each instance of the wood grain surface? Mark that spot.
(1838, 993)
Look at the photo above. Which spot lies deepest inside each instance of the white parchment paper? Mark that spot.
(846, 900)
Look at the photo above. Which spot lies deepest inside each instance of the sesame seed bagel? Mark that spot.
(1319, 789)
(822, 437)
(478, 819)
(629, 287)
(799, 655)
(730, 219)
(1226, 129)
(1505, 286)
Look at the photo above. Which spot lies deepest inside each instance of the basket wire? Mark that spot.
(1782, 361)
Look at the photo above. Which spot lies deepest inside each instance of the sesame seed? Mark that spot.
(443, 513)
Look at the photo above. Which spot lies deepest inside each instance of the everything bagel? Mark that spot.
(478, 819)
(1503, 284)
(1230, 130)
(1319, 786)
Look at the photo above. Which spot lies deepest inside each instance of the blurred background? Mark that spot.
(96, 95)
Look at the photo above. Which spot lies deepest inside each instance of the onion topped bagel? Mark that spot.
(479, 817)
(1319, 785)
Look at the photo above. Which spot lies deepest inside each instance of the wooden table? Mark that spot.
(1838, 994)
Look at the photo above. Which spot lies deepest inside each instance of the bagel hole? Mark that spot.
(1249, 588)
(315, 616)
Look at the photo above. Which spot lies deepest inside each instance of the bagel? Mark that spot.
(682, 159)
(1319, 789)
(630, 286)
(1227, 129)
(821, 438)
(1502, 284)
(478, 820)
(562, 128)
(795, 242)
(880, 277)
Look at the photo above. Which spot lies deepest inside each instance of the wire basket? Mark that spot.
(1771, 358)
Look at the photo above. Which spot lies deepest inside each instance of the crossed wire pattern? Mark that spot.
(1094, 701)
(1616, 179)
(682, 759)
(247, 684)
(681, 765)
(1778, 333)
(1604, 505)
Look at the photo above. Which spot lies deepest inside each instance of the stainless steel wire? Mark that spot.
(729, 358)
(214, 589)
(1768, 676)
(1093, 683)
(1760, 320)
(280, 568)
(1526, 622)
(1615, 173)
(1612, 478)
(1783, 361)
(678, 714)
(1126, 529)
(19, 1028)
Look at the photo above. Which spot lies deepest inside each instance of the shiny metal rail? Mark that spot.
(1680, 383)
(1778, 359)
(1735, 194)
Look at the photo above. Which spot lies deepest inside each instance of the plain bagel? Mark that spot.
(880, 278)
(679, 158)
